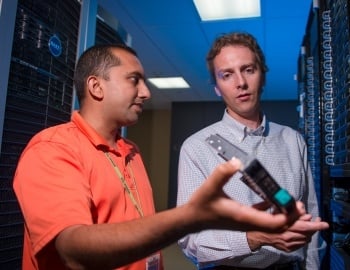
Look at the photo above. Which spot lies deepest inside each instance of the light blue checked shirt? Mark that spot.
(282, 151)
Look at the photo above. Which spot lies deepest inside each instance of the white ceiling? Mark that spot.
(172, 41)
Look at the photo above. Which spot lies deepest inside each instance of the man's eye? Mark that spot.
(135, 79)
(250, 70)
(225, 75)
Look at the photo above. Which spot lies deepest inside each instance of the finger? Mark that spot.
(264, 205)
(306, 217)
(298, 211)
(223, 172)
(296, 246)
(300, 208)
(320, 225)
(253, 219)
(317, 219)
(308, 227)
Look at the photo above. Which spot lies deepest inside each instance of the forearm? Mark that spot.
(107, 246)
(212, 246)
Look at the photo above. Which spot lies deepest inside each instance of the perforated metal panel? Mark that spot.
(105, 34)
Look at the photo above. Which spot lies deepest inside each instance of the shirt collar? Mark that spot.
(97, 140)
(241, 131)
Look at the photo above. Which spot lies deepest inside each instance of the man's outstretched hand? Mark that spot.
(214, 209)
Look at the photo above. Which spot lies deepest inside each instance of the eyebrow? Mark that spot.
(136, 73)
(254, 65)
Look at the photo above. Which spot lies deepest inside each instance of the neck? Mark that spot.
(111, 138)
(252, 121)
(106, 129)
(252, 124)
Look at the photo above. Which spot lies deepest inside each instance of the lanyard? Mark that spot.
(125, 185)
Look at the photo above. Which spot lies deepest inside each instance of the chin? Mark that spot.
(131, 122)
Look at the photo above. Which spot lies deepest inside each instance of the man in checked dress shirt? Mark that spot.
(237, 67)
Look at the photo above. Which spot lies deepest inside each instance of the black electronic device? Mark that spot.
(254, 174)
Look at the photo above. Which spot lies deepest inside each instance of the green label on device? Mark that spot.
(283, 197)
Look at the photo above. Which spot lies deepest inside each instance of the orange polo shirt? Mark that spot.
(64, 178)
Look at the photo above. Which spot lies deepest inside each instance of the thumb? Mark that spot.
(224, 171)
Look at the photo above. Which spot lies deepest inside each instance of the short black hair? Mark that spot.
(97, 60)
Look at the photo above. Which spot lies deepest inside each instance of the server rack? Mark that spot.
(39, 95)
(324, 84)
(106, 34)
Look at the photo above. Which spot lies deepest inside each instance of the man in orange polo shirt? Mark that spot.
(85, 194)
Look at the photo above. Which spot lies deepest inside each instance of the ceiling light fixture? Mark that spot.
(169, 82)
(227, 9)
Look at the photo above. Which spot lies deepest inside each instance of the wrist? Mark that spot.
(253, 242)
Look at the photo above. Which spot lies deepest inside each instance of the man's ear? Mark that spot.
(217, 91)
(94, 87)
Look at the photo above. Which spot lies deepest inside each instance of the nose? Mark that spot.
(241, 81)
(144, 91)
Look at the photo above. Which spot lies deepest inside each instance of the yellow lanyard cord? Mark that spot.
(125, 185)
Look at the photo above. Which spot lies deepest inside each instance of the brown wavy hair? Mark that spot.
(234, 39)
